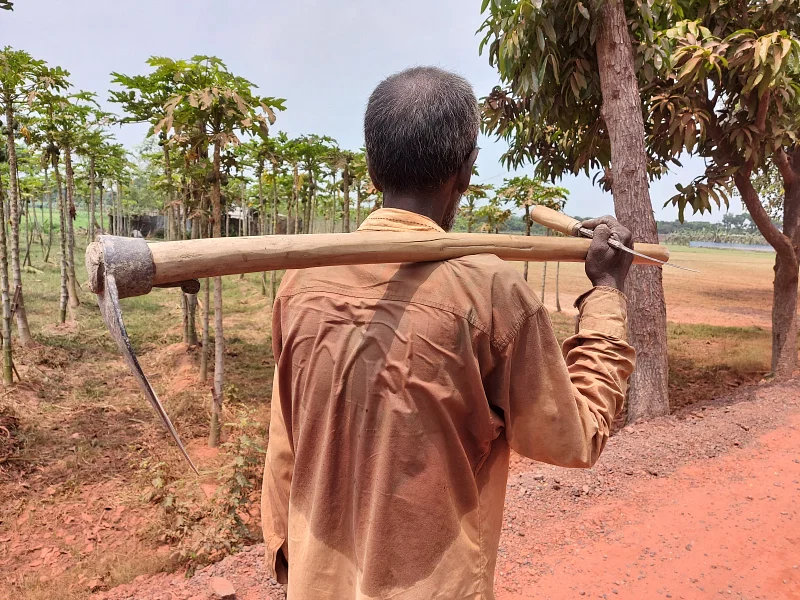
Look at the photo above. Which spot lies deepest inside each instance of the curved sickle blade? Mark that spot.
(614, 243)
(108, 299)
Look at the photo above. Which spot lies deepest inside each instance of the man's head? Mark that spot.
(421, 130)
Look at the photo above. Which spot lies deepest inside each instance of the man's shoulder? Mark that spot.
(480, 282)
(496, 275)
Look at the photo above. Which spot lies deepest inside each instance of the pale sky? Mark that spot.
(323, 57)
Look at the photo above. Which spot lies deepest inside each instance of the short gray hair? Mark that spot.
(420, 127)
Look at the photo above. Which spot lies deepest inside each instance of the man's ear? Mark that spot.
(378, 186)
(465, 172)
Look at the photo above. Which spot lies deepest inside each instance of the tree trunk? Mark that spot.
(219, 341)
(13, 203)
(206, 340)
(358, 205)
(309, 212)
(558, 298)
(527, 232)
(544, 280)
(30, 232)
(62, 238)
(37, 228)
(312, 211)
(42, 220)
(74, 300)
(50, 225)
(334, 204)
(5, 294)
(123, 226)
(787, 257)
(295, 198)
(784, 317)
(262, 225)
(204, 228)
(346, 198)
(91, 199)
(274, 229)
(102, 214)
(622, 113)
(191, 304)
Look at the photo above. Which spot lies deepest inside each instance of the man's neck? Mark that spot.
(431, 206)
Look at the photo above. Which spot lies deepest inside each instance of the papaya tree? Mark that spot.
(342, 160)
(5, 290)
(360, 175)
(524, 192)
(214, 105)
(493, 215)
(22, 77)
(48, 106)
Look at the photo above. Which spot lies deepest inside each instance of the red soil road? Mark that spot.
(728, 526)
(701, 505)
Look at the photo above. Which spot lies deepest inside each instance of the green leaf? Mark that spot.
(689, 137)
(763, 49)
(540, 38)
(776, 59)
(582, 10)
(573, 84)
(787, 45)
(534, 80)
(548, 29)
(484, 5)
(689, 66)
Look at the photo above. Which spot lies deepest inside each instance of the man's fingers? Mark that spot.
(608, 221)
(616, 229)
(602, 233)
(599, 246)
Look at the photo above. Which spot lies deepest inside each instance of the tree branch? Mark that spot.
(773, 235)
(761, 113)
(786, 170)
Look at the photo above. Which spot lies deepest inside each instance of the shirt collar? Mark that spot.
(395, 219)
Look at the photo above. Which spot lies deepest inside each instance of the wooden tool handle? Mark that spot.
(552, 219)
(197, 259)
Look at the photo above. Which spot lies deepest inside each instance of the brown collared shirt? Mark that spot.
(398, 391)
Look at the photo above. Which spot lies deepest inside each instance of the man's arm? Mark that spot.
(558, 409)
(275, 489)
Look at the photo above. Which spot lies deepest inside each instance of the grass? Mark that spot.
(705, 360)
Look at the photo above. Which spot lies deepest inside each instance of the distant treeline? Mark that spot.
(733, 229)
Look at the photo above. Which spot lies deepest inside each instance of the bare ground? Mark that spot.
(695, 505)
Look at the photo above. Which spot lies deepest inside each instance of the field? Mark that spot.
(94, 493)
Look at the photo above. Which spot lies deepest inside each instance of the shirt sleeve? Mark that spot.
(275, 490)
(559, 408)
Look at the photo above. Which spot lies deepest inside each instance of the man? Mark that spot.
(399, 388)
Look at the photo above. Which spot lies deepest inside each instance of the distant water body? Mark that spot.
(751, 247)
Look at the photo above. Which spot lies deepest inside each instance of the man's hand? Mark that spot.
(605, 265)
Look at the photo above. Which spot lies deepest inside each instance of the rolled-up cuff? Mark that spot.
(603, 310)
(276, 560)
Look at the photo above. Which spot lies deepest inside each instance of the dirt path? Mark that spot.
(701, 505)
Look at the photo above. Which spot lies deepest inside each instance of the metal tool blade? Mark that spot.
(108, 299)
(620, 246)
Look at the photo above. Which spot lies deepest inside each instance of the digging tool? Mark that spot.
(560, 222)
(121, 267)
